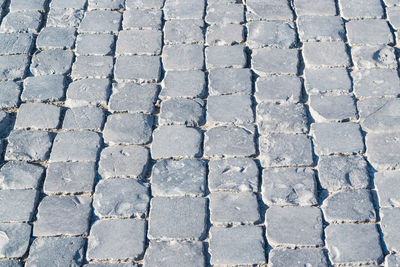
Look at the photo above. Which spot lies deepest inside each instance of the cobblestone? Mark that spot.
(50, 38)
(229, 81)
(28, 145)
(45, 116)
(240, 107)
(94, 44)
(83, 118)
(298, 257)
(321, 28)
(275, 61)
(43, 88)
(20, 175)
(225, 56)
(10, 92)
(189, 83)
(15, 239)
(88, 91)
(17, 205)
(182, 111)
(133, 97)
(390, 217)
(183, 31)
(92, 67)
(51, 62)
(332, 107)
(15, 43)
(385, 183)
(278, 88)
(271, 33)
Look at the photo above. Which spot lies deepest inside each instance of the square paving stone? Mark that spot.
(377, 56)
(132, 97)
(224, 34)
(389, 224)
(123, 161)
(156, 4)
(376, 82)
(225, 56)
(15, 239)
(383, 150)
(50, 38)
(228, 207)
(75, 146)
(131, 201)
(297, 257)
(63, 215)
(183, 31)
(271, 33)
(289, 186)
(285, 150)
(275, 61)
(239, 106)
(173, 178)
(386, 184)
(128, 129)
(294, 226)
(340, 241)
(28, 145)
(139, 42)
(352, 9)
(51, 62)
(229, 141)
(60, 17)
(92, 67)
(88, 91)
(95, 44)
(20, 175)
(238, 245)
(141, 18)
(15, 43)
(190, 83)
(332, 107)
(107, 239)
(106, 4)
(17, 205)
(330, 138)
(224, 13)
(174, 254)
(10, 263)
(271, 10)
(182, 111)
(325, 54)
(83, 118)
(70, 177)
(9, 91)
(349, 206)
(21, 21)
(188, 9)
(321, 28)
(236, 174)
(13, 66)
(340, 172)
(38, 115)
(315, 7)
(369, 32)
(282, 117)
(17, 5)
(278, 88)
(139, 68)
(165, 138)
(183, 57)
(43, 88)
(56, 251)
(327, 80)
(102, 21)
(71, 4)
(230, 81)
(177, 218)
(367, 108)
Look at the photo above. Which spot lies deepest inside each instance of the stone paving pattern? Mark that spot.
(198, 133)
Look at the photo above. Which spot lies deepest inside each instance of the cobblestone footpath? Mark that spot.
(199, 133)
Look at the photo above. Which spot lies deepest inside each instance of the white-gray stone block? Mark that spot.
(94, 44)
(382, 150)
(386, 184)
(183, 57)
(43, 88)
(327, 80)
(376, 82)
(235, 109)
(28, 145)
(372, 32)
(182, 111)
(20, 175)
(38, 115)
(13, 66)
(298, 257)
(14, 239)
(278, 88)
(367, 57)
(325, 54)
(226, 56)
(52, 38)
(88, 92)
(51, 62)
(17, 205)
(271, 33)
(138, 68)
(224, 34)
(102, 21)
(390, 218)
(92, 67)
(185, 31)
(332, 107)
(83, 118)
(230, 81)
(139, 42)
(141, 18)
(321, 28)
(190, 83)
(15, 43)
(275, 61)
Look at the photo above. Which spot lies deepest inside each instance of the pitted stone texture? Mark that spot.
(183, 57)
(106, 4)
(56, 251)
(185, 177)
(271, 33)
(386, 118)
(178, 9)
(18, 5)
(131, 201)
(38, 115)
(174, 253)
(275, 61)
(389, 224)
(237, 174)
(271, 10)
(9, 91)
(224, 12)
(182, 111)
(147, 42)
(10, 263)
(132, 97)
(138, 68)
(189, 83)
(51, 62)
(165, 139)
(228, 207)
(282, 117)
(332, 107)
(368, 106)
(230, 81)
(340, 241)
(294, 226)
(100, 21)
(70, 177)
(237, 245)
(278, 88)
(340, 172)
(17, 205)
(367, 57)
(83, 118)
(298, 257)
(225, 56)
(285, 150)
(108, 239)
(327, 80)
(316, 7)
(321, 28)
(239, 109)
(61, 38)
(60, 17)
(94, 44)
(382, 150)
(128, 129)
(361, 9)
(92, 67)
(63, 215)
(330, 138)
(75, 146)
(88, 91)
(13, 66)
(21, 21)
(14, 239)
(224, 34)
(387, 184)
(43, 88)
(289, 186)
(369, 32)
(325, 54)
(15, 43)
(229, 141)
(183, 31)
(141, 19)
(376, 82)
(28, 145)
(20, 175)
(123, 161)
(156, 4)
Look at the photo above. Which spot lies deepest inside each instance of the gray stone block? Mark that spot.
(321, 28)
(393, 13)
(141, 18)
(224, 34)
(138, 68)
(51, 62)
(389, 224)
(105, 4)
(14, 239)
(20, 175)
(88, 91)
(38, 115)
(94, 44)
(71, 4)
(183, 57)
(156, 4)
(369, 31)
(50, 38)
(182, 111)
(15, 43)
(230, 81)
(386, 118)
(361, 9)
(9, 91)
(13, 66)
(183, 31)
(332, 107)
(139, 42)
(21, 21)
(392, 260)
(385, 82)
(271, 10)
(235, 109)
(18, 5)
(43, 88)
(179, 9)
(28, 145)
(83, 118)
(367, 57)
(132, 97)
(386, 184)
(17, 205)
(327, 80)
(92, 67)
(275, 61)
(225, 56)
(224, 13)
(325, 54)
(278, 88)
(271, 33)
(189, 83)
(368, 106)
(298, 257)
(10, 263)
(65, 17)
(383, 150)
(104, 21)
(320, 7)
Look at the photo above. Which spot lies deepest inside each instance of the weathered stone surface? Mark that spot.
(271, 33)
(103, 21)
(368, 106)
(17, 205)
(13, 66)
(133, 97)
(392, 260)
(68, 17)
(189, 83)
(239, 107)
(386, 118)
(319, 7)
(185, 31)
(38, 115)
(10, 263)
(230, 81)
(182, 111)
(382, 150)
(275, 61)
(10, 92)
(51, 62)
(271, 10)
(297, 257)
(21, 21)
(88, 91)
(156, 4)
(385, 82)
(43, 88)
(332, 107)
(83, 118)
(18, 5)
(191, 9)
(20, 175)
(390, 218)
(141, 18)
(225, 56)
(106, 4)
(327, 80)
(94, 44)
(321, 28)
(138, 68)
(92, 67)
(224, 12)
(147, 42)
(386, 184)
(61, 38)
(224, 34)
(14, 239)
(15, 43)
(366, 57)
(73, 4)
(183, 57)
(361, 9)
(278, 88)
(28, 145)
(325, 54)
(372, 32)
